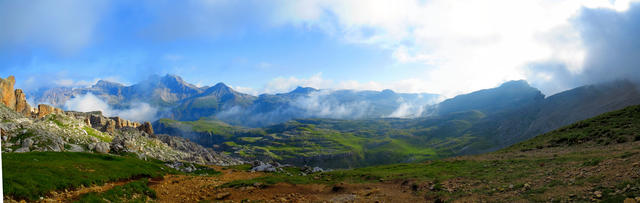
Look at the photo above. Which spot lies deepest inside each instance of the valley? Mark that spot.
(487, 152)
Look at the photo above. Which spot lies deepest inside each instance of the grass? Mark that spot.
(94, 133)
(34, 174)
(136, 191)
(609, 128)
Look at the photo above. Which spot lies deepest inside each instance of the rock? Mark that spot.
(91, 146)
(262, 167)
(23, 149)
(598, 194)
(75, 148)
(44, 110)
(146, 127)
(26, 143)
(21, 103)
(7, 93)
(102, 147)
(221, 196)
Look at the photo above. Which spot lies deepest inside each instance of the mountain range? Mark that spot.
(180, 100)
(481, 121)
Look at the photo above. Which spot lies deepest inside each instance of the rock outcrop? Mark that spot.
(146, 127)
(14, 99)
(44, 110)
(21, 103)
(109, 124)
(7, 94)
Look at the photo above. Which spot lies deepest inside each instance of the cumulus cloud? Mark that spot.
(464, 45)
(137, 111)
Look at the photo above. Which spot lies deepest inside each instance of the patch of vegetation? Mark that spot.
(241, 167)
(54, 118)
(23, 134)
(34, 174)
(592, 162)
(94, 133)
(136, 191)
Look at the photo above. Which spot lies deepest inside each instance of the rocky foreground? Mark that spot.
(45, 128)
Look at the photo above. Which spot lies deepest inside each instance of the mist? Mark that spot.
(137, 111)
(319, 104)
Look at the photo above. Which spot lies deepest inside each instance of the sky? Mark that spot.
(256, 46)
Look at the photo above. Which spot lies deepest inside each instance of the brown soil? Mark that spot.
(181, 188)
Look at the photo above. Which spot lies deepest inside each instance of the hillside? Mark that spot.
(592, 160)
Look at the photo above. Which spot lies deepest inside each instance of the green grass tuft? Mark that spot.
(136, 191)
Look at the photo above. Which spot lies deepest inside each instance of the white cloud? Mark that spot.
(89, 102)
(464, 45)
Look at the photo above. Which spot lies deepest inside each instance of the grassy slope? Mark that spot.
(609, 128)
(598, 155)
(32, 175)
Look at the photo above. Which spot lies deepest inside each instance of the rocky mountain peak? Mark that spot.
(219, 89)
(106, 84)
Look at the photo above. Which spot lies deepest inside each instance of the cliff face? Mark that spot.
(14, 99)
(7, 94)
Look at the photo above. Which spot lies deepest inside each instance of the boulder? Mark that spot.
(27, 143)
(22, 149)
(75, 148)
(102, 147)
(264, 167)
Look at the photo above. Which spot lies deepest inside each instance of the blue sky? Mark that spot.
(435, 46)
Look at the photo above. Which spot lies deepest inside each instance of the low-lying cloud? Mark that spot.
(137, 111)
(320, 104)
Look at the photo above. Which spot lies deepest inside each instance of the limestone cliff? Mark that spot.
(14, 99)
